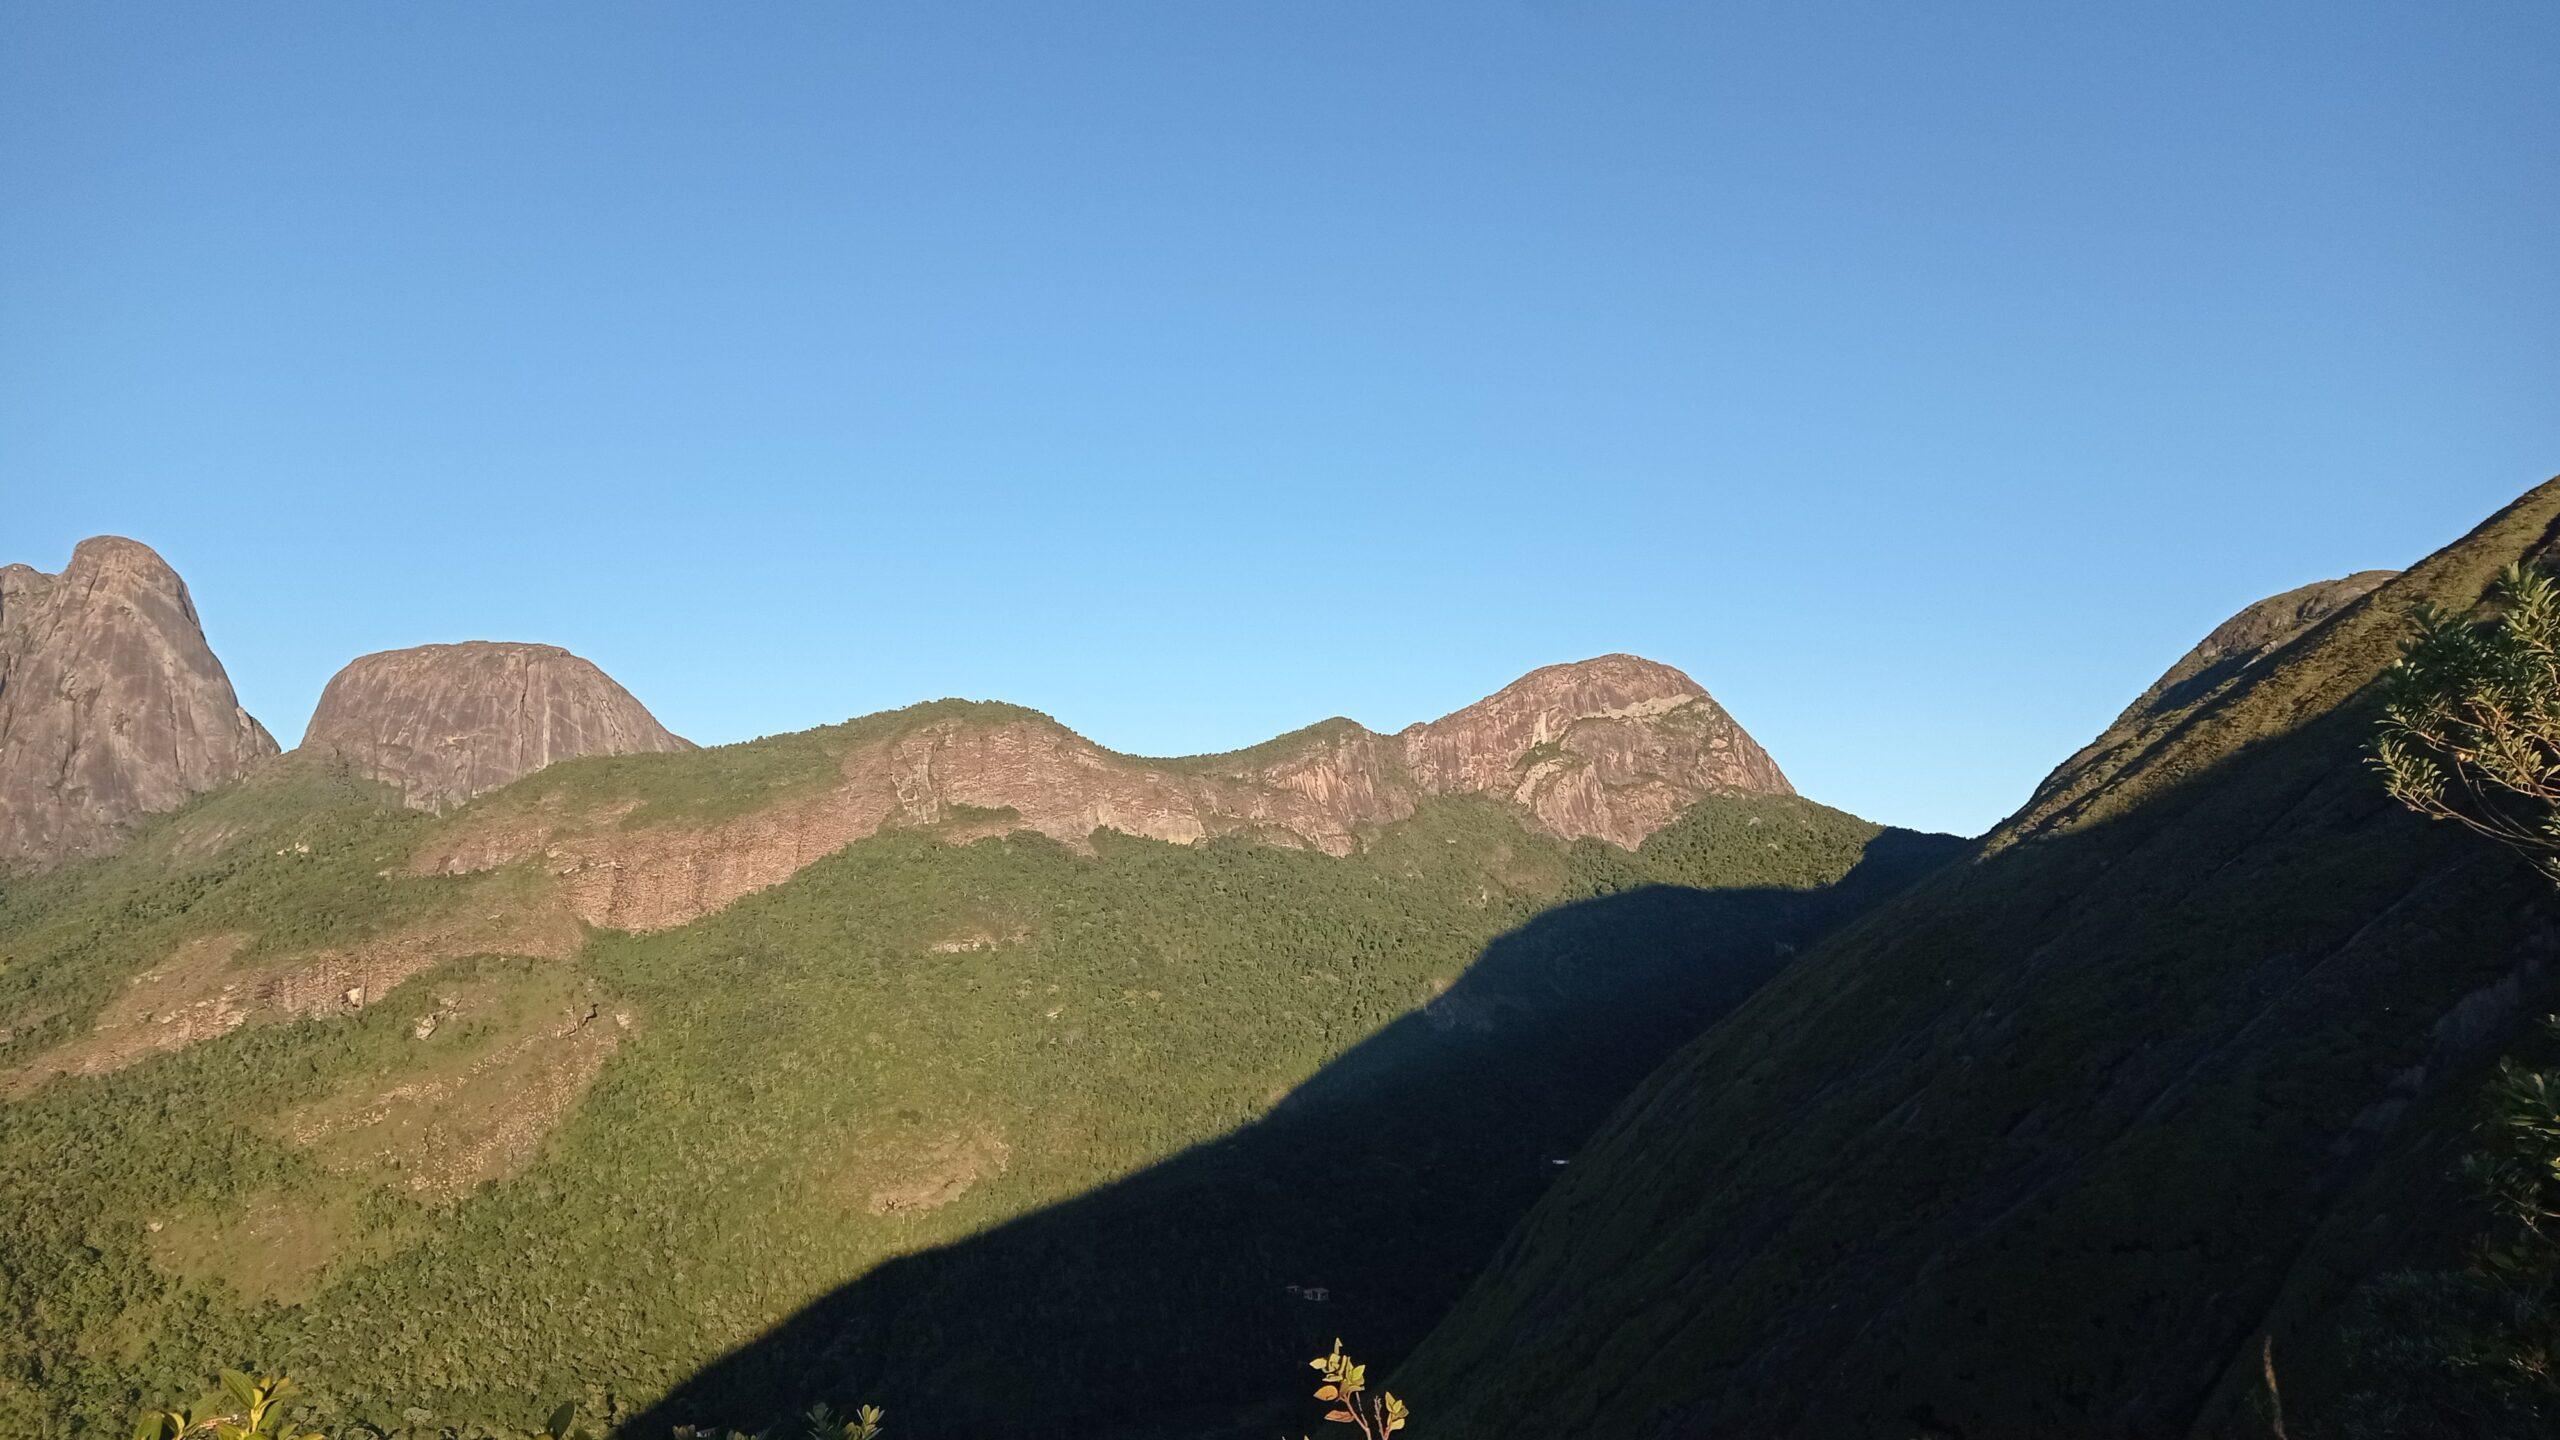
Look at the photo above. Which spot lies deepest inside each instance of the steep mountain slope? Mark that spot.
(2236, 644)
(2249, 637)
(2045, 1147)
(442, 723)
(278, 1080)
(112, 707)
(1610, 748)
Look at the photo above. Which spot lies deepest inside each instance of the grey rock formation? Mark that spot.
(442, 723)
(112, 706)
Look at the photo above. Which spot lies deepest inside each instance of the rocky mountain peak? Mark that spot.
(112, 706)
(1603, 680)
(1611, 747)
(442, 723)
(1540, 706)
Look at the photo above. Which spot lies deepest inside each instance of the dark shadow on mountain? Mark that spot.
(2051, 1145)
(1181, 1299)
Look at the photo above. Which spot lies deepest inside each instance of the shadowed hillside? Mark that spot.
(1362, 1202)
(2045, 1146)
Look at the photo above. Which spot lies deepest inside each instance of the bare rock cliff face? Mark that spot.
(1610, 749)
(112, 707)
(442, 723)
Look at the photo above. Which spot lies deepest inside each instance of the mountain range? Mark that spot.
(496, 1046)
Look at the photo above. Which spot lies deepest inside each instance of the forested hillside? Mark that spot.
(2065, 1138)
(269, 1095)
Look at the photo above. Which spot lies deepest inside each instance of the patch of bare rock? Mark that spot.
(112, 706)
(205, 989)
(482, 1114)
(442, 723)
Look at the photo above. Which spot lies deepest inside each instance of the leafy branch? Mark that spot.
(245, 1408)
(2471, 717)
(1346, 1388)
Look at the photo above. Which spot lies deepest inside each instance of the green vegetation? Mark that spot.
(1303, 740)
(824, 1424)
(2052, 1142)
(243, 1409)
(903, 1127)
(728, 780)
(249, 1408)
(2471, 733)
(2473, 1350)
(296, 858)
(2471, 719)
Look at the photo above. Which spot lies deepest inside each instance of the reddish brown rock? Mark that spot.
(1610, 749)
(442, 723)
(112, 706)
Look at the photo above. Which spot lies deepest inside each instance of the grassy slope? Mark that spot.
(721, 781)
(293, 856)
(905, 1045)
(2039, 1147)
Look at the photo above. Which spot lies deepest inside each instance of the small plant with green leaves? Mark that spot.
(819, 1422)
(823, 1423)
(1346, 1388)
(244, 1408)
(2471, 717)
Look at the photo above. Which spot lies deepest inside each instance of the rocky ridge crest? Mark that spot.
(1609, 749)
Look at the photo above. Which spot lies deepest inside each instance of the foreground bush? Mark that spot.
(2471, 734)
(245, 1408)
(2471, 717)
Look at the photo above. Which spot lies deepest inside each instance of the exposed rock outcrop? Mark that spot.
(442, 723)
(112, 706)
(205, 989)
(1609, 749)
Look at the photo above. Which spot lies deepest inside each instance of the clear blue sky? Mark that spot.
(1922, 378)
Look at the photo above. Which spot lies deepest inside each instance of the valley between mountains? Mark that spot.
(495, 1046)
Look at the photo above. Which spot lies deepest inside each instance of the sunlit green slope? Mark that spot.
(509, 1181)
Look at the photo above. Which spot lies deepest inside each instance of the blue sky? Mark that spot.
(1922, 378)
